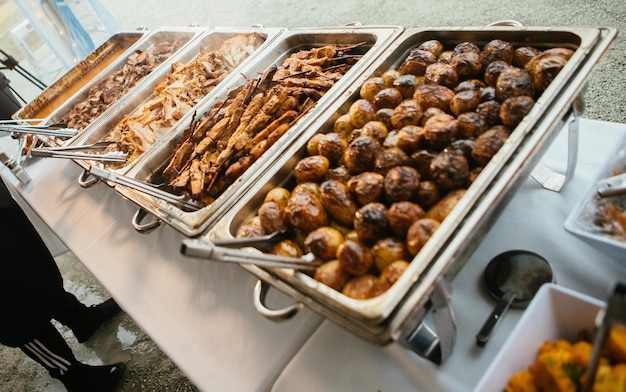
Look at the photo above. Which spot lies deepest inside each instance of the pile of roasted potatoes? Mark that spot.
(373, 190)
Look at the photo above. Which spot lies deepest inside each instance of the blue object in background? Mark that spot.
(82, 42)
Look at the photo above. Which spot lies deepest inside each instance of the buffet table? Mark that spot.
(201, 313)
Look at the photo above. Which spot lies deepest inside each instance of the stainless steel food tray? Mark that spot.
(163, 34)
(399, 314)
(377, 38)
(55, 95)
(210, 40)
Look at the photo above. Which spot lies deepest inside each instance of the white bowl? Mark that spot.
(556, 312)
(580, 221)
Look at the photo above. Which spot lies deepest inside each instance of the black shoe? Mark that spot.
(86, 378)
(94, 317)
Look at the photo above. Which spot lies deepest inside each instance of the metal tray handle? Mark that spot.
(260, 293)
(144, 228)
(437, 344)
(86, 180)
(553, 180)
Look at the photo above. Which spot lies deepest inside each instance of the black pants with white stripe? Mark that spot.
(50, 350)
(32, 293)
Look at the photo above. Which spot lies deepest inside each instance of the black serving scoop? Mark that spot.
(513, 278)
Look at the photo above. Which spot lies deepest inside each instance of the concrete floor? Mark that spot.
(604, 97)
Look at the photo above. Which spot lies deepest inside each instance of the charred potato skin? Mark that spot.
(354, 257)
(371, 222)
(337, 200)
(324, 242)
(332, 275)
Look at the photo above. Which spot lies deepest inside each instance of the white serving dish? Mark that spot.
(556, 312)
(580, 220)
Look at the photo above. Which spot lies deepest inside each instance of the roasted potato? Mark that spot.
(401, 183)
(354, 257)
(361, 111)
(419, 233)
(331, 146)
(367, 187)
(388, 250)
(288, 248)
(450, 170)
(332, 275)
(465, 101)
(389, 97)
(444, 206)
(278, 195)
(407, 113)
(406, 84)
(324, 242)
(312, 168)
(514, 109)
(371, 223)
(441, 73)
(417, 61)
(488, 144)
(371, 87)
(376, 130)
(410, 138)
(305, 212)
(497, 50)
(251, 228)
(514, 82)
(338, 202)
(273, 217)
(390, 275)
(433, 96)
(388, 158)
(360, 154)
(361, 287)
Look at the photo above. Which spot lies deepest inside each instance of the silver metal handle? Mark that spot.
(113, 156)
(437, 344)
(19, 172)
(208, 250)
(179, 201)
(553, 180)
(506, 22)
(85, 180)
(260, 292)
(144, 228)
(40, 130)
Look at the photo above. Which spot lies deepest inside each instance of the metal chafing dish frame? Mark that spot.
(152, 37)
(120, 42)
(195, 223)
(399, 314)
(100, 128)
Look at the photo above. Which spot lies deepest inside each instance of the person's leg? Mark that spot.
(83, 320)
(50, 350)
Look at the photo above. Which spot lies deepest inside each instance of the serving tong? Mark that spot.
(179, 201)
(614, 314)
(220, 250)
(54, 130)
(76, 152)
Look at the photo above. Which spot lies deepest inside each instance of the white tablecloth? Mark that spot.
(201, 313)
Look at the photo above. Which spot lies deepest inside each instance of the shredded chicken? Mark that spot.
(182, 89)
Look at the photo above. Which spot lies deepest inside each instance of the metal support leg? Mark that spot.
(551, 179)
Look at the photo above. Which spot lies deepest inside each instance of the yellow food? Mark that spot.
(561, 366)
